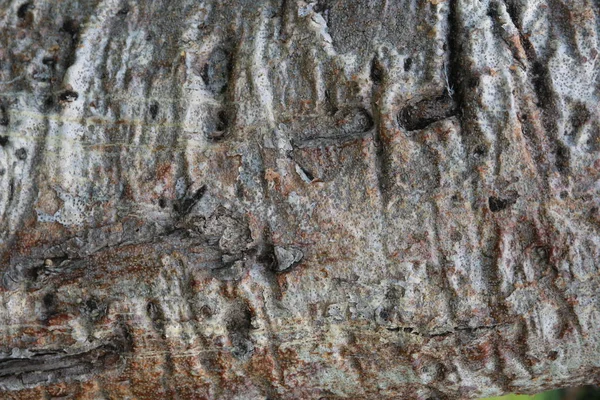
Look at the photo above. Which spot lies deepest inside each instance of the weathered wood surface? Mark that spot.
(279, 199)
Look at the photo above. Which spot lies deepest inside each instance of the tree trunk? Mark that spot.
(279, 199)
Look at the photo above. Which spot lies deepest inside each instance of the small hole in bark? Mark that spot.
(473, 82)
(329, 103)
(563, 157)
(205, 311)
(267, 256)
(222, 121)
(320, 6)
(48, 104)
(218, 70)
(492, 11)
(162, 203)
(4, 119)
(498, 204)
(408, 64)
(154, 110)
(239, 320)
(70, 26)
(3, 140)
(204, 74)
(553, 355)
(91, 305)
(68, 96)
(23, 9)
(580, 115)
(384, 314)
(376, 71)
(123, 11)
(48, 300)
(187, 203)
(48, 305)
(49, 61)
(480, 150)
(11, 190)
(21, 154)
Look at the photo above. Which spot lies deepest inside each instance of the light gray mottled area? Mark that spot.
(284, 199)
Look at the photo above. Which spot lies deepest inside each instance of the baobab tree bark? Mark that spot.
(286, 199)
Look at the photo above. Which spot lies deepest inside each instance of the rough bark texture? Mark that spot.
(276, 199)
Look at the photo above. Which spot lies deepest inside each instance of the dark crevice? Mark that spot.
(347, 124)
(4, 118)
(539, 76)
(454, 72)
(329, 103)
(222, 121)
(157, 316)
(52, 366)
(204, 74)
(382, 156)
(424, 113)
(217, 72)
(49, 307)
(185, 206)
(49, 61)
(21, 154)
(580, 116)
(306, 172)
(238, 325)
(70, 27)
(562, 158)
(266, 255)
(11, 190)
(376, 71)
(94, 309)
(458, 329)
(123, 11)
(48, 105)
(68, 96)
(498, 204)
(153, 110)
(218, 131)
(24, 9)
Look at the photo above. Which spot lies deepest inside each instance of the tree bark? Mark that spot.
(284, 199)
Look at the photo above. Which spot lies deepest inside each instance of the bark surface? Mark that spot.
(282, 199)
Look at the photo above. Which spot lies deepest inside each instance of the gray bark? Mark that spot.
(282, 199)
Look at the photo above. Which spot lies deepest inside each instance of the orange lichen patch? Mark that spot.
(264, 365)
(274, 177)
(478, 352)
(164, 171)
(48, 202)
(59, 319)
